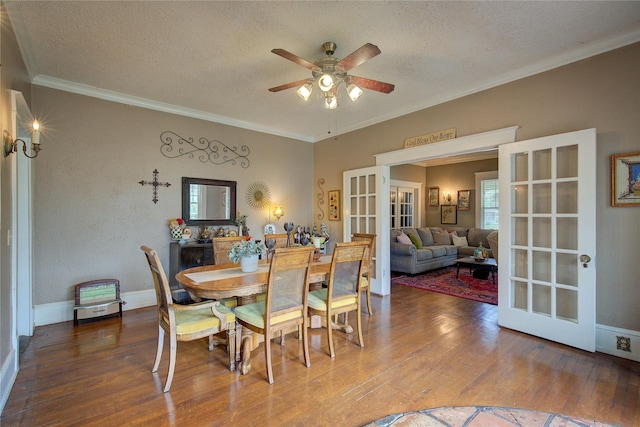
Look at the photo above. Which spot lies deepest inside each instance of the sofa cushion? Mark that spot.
(438, 251)
(460, 231)
(424, 254)
(403, 238)
(477, 236)
(442, 238)
(394, 233)
(415, 240)
(426, 236)
(459, 241)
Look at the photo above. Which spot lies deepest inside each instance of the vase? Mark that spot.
(249, 263)
(176, 233)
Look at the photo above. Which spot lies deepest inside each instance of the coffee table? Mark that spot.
(472, 264)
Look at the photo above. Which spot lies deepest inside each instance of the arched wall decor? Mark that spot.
(213, 151)
(320, 198)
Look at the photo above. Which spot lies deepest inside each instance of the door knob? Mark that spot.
(584, 259)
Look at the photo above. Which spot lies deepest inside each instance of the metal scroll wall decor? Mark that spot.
(320, 198)
(213, 151)
(155, 183)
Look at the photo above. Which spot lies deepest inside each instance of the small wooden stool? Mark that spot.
(97, 298)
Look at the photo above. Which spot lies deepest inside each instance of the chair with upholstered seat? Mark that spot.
(186, 322)
(221, 246)
(365, 284)
(342, 293)
(285, 305)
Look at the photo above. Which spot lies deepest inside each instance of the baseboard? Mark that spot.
(8, 377)
(607, 342)
(46, 314)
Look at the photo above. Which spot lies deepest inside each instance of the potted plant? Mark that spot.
(246, 252)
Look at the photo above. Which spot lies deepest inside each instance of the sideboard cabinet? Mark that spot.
(187, 255)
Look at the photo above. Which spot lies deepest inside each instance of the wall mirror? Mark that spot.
(208, 201)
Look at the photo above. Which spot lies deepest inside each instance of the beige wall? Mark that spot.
(454, 177)
(601, 92)
(91, 214)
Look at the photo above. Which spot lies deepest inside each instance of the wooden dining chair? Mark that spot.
(186, 322)
(285, 305)
(365, 284)
(221, 246)
(342, 293)
(280, 240)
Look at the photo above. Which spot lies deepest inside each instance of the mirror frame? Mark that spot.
(186, 183)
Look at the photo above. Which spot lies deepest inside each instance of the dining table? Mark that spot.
(218, 282)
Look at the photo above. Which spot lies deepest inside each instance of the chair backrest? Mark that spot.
(492, 238)
(346, 269)
(221, 246)
(280, 240)
(370, 239)
(288, 284)
(160, 282)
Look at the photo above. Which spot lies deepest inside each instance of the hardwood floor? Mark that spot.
(422, 350)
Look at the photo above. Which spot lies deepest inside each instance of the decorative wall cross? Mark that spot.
(155, 185)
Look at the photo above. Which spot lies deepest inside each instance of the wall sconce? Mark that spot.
(11, 145)
(446, 198)
(278, 212)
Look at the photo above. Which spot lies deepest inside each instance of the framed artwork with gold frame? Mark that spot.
(334, 205)
(464, 197)
(434, 196)
(625, 179)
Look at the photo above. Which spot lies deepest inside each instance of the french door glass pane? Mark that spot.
(520, 167)
(567, 160)
(541, 262)
(567, 233)
(567, 304)
(541, 164)
(520, 231)
(520, 197)
(542, 198)
(567, 269)
(567, 200)
(542, 232)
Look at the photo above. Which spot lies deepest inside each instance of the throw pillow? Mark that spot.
(403, 238)
(425, 236)
(416, 241)
(442, 238)
(459, 241)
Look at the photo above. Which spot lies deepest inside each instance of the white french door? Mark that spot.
(363, 208)
(547, 274)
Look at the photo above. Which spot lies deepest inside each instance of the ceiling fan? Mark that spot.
(329, 72)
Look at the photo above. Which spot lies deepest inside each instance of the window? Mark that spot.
(487, 202)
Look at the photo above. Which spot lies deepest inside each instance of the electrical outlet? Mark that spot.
(623, 343)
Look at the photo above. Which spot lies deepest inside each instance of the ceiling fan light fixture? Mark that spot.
(325, 82)
(353, 91)
(304, 91)
(331, 102)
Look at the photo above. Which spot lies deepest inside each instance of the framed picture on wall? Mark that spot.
(463, 200)
(625, 179)
(334, 205)
(448, 214)
(434, 196)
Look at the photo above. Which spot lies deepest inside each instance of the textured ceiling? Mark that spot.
(213, 60)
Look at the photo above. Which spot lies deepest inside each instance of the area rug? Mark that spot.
(482, 416)
(444, 281)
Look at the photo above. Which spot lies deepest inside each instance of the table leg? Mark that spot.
(457, 270)
(245, 364)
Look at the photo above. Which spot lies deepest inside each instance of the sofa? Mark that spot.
(415, 251)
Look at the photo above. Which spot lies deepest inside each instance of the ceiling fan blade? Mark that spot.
(295, 58)
(372, 84)
(359, 56)
(287, 86)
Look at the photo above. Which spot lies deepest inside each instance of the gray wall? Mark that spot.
(601, 92)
